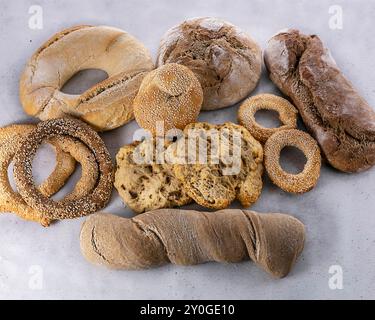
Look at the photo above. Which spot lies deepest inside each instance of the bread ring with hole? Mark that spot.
(105, 106)
(295, 183)
(89, 203)
(246, 115)
(67, 151)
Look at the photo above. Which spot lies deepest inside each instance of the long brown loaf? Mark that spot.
(337, 116)
(187, 237)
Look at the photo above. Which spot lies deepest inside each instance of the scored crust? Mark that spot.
(106, 105)
(226, 60)
(145, 187)
(209, 184)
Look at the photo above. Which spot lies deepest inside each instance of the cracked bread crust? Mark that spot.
(335, 114)
(145, 187)
(216, 183)
(105, 106)
(226, 61)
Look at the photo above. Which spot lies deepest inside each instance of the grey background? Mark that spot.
(338, 213)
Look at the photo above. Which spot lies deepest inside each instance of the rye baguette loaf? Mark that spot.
(187, 237)
(337, 116)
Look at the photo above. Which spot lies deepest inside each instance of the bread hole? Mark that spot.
(43, 165)
(268, 118)
(292, 160)
(133, 194)
(175, 195)
(83, 80)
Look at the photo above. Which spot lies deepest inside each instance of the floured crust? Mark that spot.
(226, 61)
(145, 187)
(332, 110)
(171, 95)
(246, 115)
(105, 106)
(213, 185)
(67, 151)
(186, 237)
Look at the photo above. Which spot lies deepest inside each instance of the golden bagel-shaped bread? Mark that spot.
(170, 96)
(105, 106)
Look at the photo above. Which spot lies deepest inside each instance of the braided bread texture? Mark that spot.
(187, 237)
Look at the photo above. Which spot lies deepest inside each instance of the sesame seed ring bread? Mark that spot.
(171, 94)
(105, 106)
(93, 201)
(295, 183)
(246, 115)
(67, 151)
(226, 60)
(89, 166)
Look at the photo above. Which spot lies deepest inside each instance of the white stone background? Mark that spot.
(38, 262)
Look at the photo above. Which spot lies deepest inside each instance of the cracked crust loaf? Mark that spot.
(106, 105)
(226, 61)
(232, 169)
(170, 95)
(335, 114)
(273, 241)
(145, 187)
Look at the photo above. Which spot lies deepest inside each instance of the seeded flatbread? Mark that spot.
(145, 187)
(218, 182)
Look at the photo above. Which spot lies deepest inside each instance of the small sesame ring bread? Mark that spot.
(22, 171)
(67, 151)
(295, 183)
(170, 94)
(106, 105)
(246, 115)
(226, 60)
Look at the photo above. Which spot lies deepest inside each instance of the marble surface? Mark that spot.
(38, 262)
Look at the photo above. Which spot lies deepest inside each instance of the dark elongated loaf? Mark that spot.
(187, 237)
(337, 116)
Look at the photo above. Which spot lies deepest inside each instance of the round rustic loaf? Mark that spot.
(226, 60)
(106, 105)
(171, 95)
